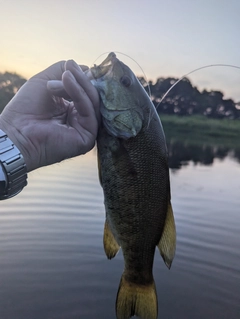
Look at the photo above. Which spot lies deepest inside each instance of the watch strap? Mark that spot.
(14, 167)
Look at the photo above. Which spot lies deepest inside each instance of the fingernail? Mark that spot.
(54, 85)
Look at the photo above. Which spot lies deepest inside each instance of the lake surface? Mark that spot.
(52, 262)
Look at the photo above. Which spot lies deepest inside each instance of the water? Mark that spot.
(52, 263)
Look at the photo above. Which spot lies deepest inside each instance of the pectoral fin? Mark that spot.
(110, 244)
(167, 243)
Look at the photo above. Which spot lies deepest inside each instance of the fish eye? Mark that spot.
(126, 81)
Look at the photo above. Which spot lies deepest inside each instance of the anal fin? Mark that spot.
(167, 243)
(110, 244)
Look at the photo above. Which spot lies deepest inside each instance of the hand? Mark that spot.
(49, 129)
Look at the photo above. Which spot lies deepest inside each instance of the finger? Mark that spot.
(80, 98)
(84, 82)
(87, 118)
(56, 86)
(82, 66)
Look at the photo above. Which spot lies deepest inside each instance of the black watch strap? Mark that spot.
(13, 166)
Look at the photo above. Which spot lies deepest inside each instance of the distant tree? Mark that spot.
(185, 99)
(9, 85)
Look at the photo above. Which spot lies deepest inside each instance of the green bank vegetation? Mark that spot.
(202, 130)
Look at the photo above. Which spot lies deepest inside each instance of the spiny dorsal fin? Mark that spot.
(167, 243)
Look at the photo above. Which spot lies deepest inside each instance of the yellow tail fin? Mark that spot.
(139, 300)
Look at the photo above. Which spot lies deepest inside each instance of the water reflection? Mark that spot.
(53, 265)
(181, 153)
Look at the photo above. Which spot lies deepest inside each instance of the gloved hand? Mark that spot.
(49, 129)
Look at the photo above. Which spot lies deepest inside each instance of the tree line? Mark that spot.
(186, 99)
(183, 99)
(9, 85)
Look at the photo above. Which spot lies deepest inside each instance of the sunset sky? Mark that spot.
(167, 38)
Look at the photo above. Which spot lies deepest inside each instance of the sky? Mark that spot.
(166, 38)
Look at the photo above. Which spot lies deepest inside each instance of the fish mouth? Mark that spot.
(99, 71)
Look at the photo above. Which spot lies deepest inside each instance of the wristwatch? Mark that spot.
(14, 171)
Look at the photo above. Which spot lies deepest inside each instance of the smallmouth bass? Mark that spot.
(134, 174)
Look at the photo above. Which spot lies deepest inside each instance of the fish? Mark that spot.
(134, 175)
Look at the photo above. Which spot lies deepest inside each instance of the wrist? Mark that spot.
(13, 176)
(17, 139)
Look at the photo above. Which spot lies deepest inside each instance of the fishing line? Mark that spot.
(145, 77)
(179, 80)
(195, 70)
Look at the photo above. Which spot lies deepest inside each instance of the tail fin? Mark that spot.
(139, 300)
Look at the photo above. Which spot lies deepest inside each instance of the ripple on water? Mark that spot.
(52, 261)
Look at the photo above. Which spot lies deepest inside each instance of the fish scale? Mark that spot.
(134, 174)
